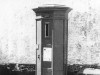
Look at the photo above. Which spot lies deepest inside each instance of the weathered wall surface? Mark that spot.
(17, 34)
(17, 31)
(84, 37)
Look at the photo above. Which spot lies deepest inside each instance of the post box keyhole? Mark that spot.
(39, 57)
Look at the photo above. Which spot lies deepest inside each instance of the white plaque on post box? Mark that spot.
(47, 54)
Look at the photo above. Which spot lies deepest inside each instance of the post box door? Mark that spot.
(47, 47)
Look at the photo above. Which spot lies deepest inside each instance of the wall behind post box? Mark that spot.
(84, 37)
(17, 32)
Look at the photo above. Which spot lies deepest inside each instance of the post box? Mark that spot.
(51, 39)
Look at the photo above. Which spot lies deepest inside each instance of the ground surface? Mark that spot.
(21, 69)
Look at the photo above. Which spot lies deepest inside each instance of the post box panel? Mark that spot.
(58, 39)
(38, 49)
(58, 32)
(47, 32)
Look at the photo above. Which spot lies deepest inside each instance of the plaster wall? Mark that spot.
(84, 37)
(17, 35)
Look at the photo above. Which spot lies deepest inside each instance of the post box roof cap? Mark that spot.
(50, 7)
